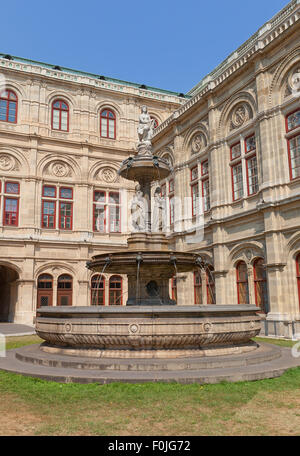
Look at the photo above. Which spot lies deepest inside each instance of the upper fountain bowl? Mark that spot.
(145, 168)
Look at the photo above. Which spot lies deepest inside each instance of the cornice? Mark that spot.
(266, 35)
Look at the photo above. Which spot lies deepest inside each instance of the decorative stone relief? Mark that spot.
(108, 175)
(60, 169)
(293, 83)
(198, 143)
(240, 115)
(8, 163)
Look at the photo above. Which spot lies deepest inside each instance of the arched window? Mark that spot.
(60, 115)
(293, 142)
(115, 291)
(108, 124)
(155, 122)
(210, 286)
(197, 288)
(8, 106)
(260, 285)
(64, 290)
(174, 288)
(242, 283)
(98, 290)
(45, 290)
(298, 275)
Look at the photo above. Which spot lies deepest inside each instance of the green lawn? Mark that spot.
(35, 407)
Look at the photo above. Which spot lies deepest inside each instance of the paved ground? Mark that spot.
(14, 329)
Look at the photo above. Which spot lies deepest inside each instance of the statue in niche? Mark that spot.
(139, 210)
(146, 127)
(159, 212)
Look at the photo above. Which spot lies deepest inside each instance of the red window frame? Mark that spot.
(256, 281)
(118, 207)
(203, 173)
(197, 286)
(247, 175)
(64, 197)
(210, 287)
(206, 198)
(298, 275)
(64, 217)
(49, 186)
(238, 156)
(239, 281)
(174, 288)
(108, 119)
(60, 109)
(48, 215)
(297, 134)
(11, 193)
(155, 123)
(194, 213)
(196, 177)
(112, 291)
(9, 100)
(286, 121)
(95, 205)
(232, 180)
(95, 290)
(289, 156)
(6, 198)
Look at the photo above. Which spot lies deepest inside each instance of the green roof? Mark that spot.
(91, 75)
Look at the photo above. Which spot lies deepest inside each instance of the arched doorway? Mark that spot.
(8, 293)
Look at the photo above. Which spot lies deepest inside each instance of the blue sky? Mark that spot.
(169, 44)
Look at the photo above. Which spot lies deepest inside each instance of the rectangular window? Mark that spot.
(11, 211)
(237, 181)
(171, 202)
(294, 156)
(65, 215)
(194, 173)
(171, 186)
(293, 120)
(48, 214)
(250, 144)
(12, 187)
(206, 195)
(195, 199)
(163, 190)
(114, 212)
(49, 191)
(66, 193)
(204, 168)
(235, 151)
(252, 178)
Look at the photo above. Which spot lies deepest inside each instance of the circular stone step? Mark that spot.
(253, 370)
(34, 355)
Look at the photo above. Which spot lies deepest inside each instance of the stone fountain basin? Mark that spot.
(159, 262)
(148, 331)
(143, 168)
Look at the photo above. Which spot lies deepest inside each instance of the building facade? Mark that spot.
(234, 145)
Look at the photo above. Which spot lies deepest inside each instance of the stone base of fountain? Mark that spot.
(149, 332)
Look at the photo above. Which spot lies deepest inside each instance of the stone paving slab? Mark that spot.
(270, 369)
(15, 329)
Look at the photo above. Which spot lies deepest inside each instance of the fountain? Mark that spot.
(151, 325)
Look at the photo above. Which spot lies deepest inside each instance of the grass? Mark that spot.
(35, 407)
